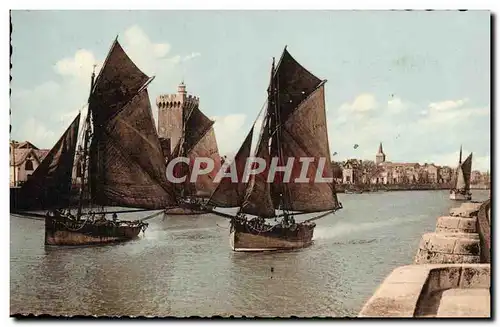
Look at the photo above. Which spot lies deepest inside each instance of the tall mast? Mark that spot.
(85, 148)
(284, 199)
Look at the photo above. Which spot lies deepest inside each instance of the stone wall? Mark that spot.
(450, 276)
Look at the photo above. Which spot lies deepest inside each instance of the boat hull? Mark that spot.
(460, 196)
(61, 234)
(186, 211)
(244, 239)
(189, 209)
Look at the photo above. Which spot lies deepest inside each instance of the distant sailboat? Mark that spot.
(197, 141)
(461, 181)
(294, 126)
(123, 163)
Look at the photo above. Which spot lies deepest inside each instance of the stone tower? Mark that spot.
(380, 157)
(170, 108)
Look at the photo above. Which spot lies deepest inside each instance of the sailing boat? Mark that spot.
(294, 126)
(461, 182)
(122, 165)
(197, 141)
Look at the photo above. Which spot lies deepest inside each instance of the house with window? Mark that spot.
(24, 159)
(351, 172)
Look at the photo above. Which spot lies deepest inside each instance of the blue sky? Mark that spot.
(417, 81)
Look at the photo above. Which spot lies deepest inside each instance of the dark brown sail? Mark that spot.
(293, 84)
(50, 184)
(304, 134)
(132, 173)
(228, 193)
(118, 82)
(466, 170)
(257, 199)
(206, 148)
(198, 141)
(197, 125)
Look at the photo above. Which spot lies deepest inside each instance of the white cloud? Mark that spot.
(362, 103)
(447, 105)
(39, 133)
(79, 66)
(191, 56)
(396, 106)
(229, 132)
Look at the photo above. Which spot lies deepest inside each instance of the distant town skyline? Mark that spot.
(419, 82)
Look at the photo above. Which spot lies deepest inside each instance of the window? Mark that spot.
(28, 166)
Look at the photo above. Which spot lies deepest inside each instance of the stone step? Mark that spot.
(466, 210)
(448, 248)
(450, 224)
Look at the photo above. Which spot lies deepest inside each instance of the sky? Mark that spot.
(417, 81)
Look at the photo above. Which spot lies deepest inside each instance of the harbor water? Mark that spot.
(183, 265)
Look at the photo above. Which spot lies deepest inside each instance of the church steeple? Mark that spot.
(380, 157)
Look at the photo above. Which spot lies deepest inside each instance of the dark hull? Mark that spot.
(58, 232)
(187, 209)
(245, 237)
(20, 201)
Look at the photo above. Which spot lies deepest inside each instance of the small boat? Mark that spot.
(123, 163)
(461, 180)
(294, 126)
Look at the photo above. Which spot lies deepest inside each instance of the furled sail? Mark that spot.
(228, 193)
(50, 184)
(127, 166)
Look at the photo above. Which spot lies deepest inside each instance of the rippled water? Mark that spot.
(183, 266)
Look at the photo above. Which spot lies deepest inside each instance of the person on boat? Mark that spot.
(115, 217)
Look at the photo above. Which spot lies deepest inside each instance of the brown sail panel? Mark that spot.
(258, 199)
(197, 125)
(229, 194)
(206, 148)
(118, 82)
(466, 170)
(304, 134)
(132, 173)
(50, 184)
(293, 83)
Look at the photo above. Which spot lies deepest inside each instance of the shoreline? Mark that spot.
(341, 188)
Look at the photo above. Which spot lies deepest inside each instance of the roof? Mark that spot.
(24, 145)
(380, 150)
(402, 164)
(20, 155)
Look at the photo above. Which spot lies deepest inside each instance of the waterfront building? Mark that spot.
(24, 159)
(351, 172)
